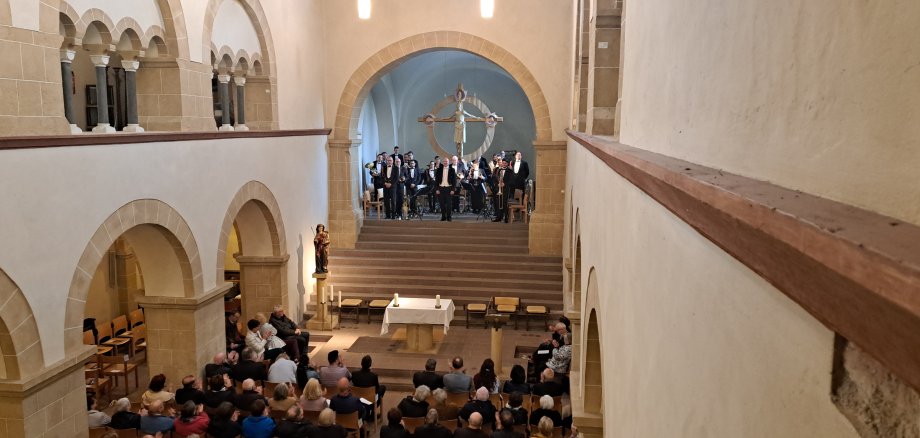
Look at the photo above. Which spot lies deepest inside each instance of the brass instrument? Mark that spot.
(372, 166)
(501, 186)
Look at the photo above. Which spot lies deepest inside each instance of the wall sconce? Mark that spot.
(364, 9)
(487, 8)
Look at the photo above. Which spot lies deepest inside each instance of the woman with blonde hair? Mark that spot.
(326, 427)
(313, 399)
(544, 429)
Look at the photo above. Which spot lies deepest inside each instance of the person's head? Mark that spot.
(333, 357)
(326, 417)
(157, 383)
(313, 390)
(545, 426)
(278, 311)
(518, 375)
(265, 330)
(122, 405)
(516, 399)
(380, 156)
(445, 162)
(475, 420)
(389, 161)
(422, 393)
(488, 365)
(565, 320)
(397, 162)
(440, 396)
(411, 163)
(482, 394)
(90, 402)
(475, 164)
(253, 325)
(506, 419)
(517, 156)
(343, 385)
(233, 357)
(366, 362)
(457, 363)
(224, 411)
(282, 356)
(220, 358)
(567, 339)
(282, 392)
(259, 316)
(249, 385)
(257, 408)
(431, 164)
(410, 155)
(496, 157)
(216, 383)
(188, 410)
(250, 354)
(394, 417)
(503, 163)
(395, 149)
(454, 160)
(548, 375)
(294, 413)
(546, 402)
(233, 317)
(155, 407)
(431, 364)
(560, 328)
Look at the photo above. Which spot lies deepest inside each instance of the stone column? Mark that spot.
(183, 334)
(102, 95)
(323, 319)
(240, 83)
(67, 57)
(604, 70)
(263, 284)
(345, 212)
(547, 221)
(223, 89)
(131, 95)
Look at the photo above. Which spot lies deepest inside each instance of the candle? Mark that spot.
(396, 299)
(321, 295)
(330, 292)
(437, 301)
(340, 298)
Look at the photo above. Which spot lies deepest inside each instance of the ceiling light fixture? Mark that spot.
(364, 9)
(487, 8)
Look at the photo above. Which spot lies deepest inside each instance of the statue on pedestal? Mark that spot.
(321, 244)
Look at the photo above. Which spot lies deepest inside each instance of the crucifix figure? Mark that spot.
(460, 119)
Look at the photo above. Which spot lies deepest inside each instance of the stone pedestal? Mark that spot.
(184, 334)
(345, 212)
(497, 347)
(324, 318)
(547, 221)
(263, 284)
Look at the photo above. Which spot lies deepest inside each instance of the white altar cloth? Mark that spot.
(418, 311)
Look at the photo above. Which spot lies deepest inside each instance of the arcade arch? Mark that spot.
(20, 344)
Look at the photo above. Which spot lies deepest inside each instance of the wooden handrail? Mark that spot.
(856, 271)
(53, 141)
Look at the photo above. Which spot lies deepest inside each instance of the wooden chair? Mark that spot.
(349, 422)
(138, 339)
(376, 305)
(476, 309)
(88, 339)
(557, 432)
(97, 382)
(268, 389)
(126, 433)
(506, 306)
(278, 414)
(368, 204)
(497, 401)
(98, 432)
(368, 393)
(519, 207)
(107, 338)
(352, 305)
(521, 429)
(541, 312)
(458, 398)
(451, 425)
(312, 416)
(527, 403)
(136, 318)
(557, 404)
(412, 423)
(120, 366)
(120, 327)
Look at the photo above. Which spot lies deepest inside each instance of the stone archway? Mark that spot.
(20, 346)
(590, 405)
(345, 213)
(256, 217)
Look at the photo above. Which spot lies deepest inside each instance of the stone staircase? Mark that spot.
(468, 262)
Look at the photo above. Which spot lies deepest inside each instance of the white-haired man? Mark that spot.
(288, 329)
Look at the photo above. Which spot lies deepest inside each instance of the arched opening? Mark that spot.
(593, 391)
(20, 346)
(576, 277)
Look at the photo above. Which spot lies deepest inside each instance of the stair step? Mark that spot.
(452, 247)
(425, 239)
(440, 281)
(431, 232)
(395, 253)
(412, 272)
(515, 264)
(453, 226)
(470, 293)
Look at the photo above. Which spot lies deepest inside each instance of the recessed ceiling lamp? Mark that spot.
(364, 9)
(487, 8)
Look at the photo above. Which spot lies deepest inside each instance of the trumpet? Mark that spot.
(501, 198)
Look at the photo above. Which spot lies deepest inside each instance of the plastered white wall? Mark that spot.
(145, 12)
(820, 96)
(694, 343)
(538, 32)
(24, 13)
(233, 28)
(62, 195)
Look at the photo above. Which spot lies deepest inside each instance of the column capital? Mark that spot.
(130, 65)
(239, 80)
(544, 145)
(68, 55)
(224, 79)
(344, 144)
(100, 60)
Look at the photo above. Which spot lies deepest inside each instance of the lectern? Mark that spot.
(497, 321)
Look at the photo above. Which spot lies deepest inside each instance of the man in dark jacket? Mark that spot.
(288, 329)
(365, 378)
(431, 428)
(243, 401)
(248, 368)
(506, 420)
(344, 402)
(480, 404)
(428, 377)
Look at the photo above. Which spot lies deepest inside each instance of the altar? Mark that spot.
(420, 317)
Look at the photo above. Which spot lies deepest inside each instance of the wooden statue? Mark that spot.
(321, 244)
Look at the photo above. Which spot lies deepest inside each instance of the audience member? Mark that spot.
(95, 417)
(518, 381)
(544, 428)
(432, 428)
(394, 427)
(546, 410)
(282, 398)
(192, 420)
(288, 329)
(243, 401)
(326, 427)
(154, 421)
(123, 418)
(416, 405)
(366, 378)
(486, 377)
(274, 345)
(293, 425)
(473, 429)
(305, 371)
(548, 384)
(250, 367)
(220, 390)
(445, 410)
(224, 424)
(506, 423)
(456, 381)
(218, 366)
(562, 355)
(480, 404)
(254, 339)
(544, 350)
(258, 424)
(234, 340)
(330, 375)
(312, 399)
(429, 377)
(190, 390)
(284, 370)
(155, 391)
(515, 406)
(344, 402)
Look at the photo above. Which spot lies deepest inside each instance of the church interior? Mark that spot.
(660, 218)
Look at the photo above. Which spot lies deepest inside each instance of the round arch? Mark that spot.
(592, 389)
(255, 212)
(156, 231)
(256, 14)
(20, 344)
(379, 64)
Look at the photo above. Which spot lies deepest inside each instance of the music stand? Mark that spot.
(413, 200)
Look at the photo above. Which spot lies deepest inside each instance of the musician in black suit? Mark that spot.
(477, 177)
(399, 190)
(396, 154)
(445, 187)
(501, 181)
(413, 179)
(410, 157)
(429, 178)
(379, 164)
(459, 168)
(388, 178)
(520, 171)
